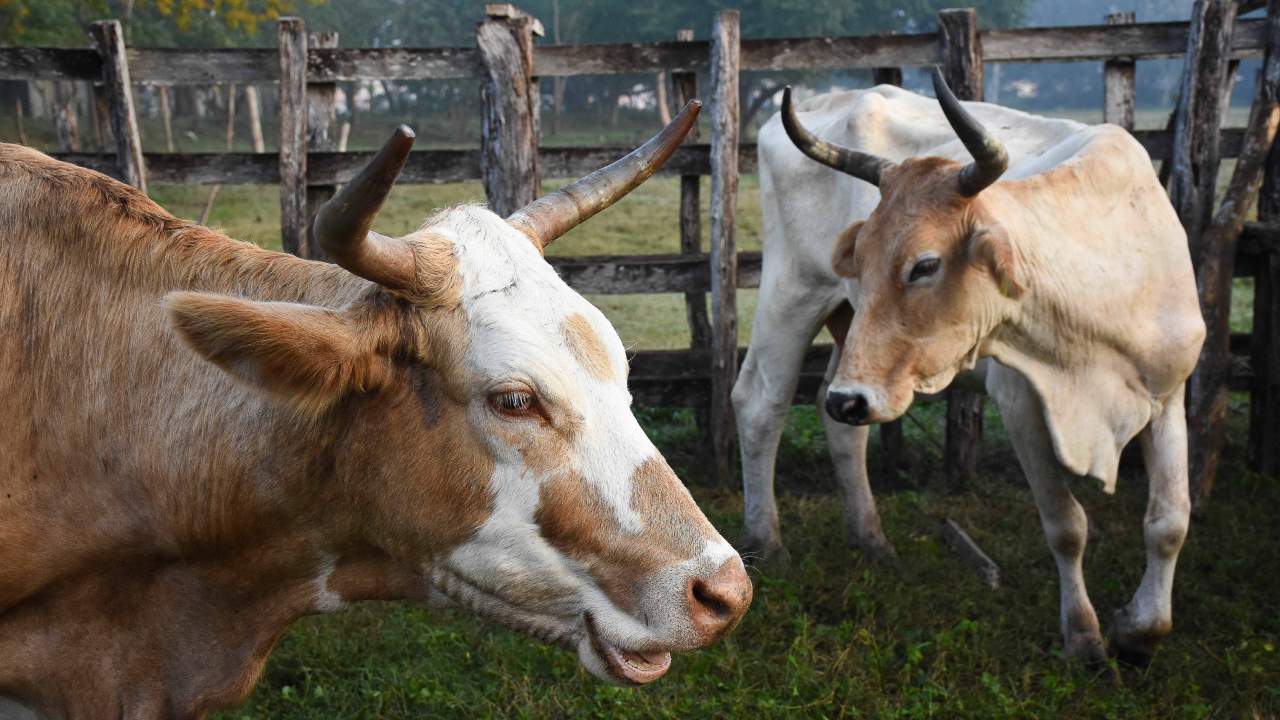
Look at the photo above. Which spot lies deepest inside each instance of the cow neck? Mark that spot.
(203, 524)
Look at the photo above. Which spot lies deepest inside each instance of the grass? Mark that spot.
(835, 635)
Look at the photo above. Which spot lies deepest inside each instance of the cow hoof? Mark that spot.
(1131, 643)
(877, 548)
(1086, 647)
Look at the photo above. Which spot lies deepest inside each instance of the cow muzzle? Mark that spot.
(862, 404)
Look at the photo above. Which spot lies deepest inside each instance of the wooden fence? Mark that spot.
(507, 62)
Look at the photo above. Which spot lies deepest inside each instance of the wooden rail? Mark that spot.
(1146, 41)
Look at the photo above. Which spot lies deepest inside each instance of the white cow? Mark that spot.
(1071, 275)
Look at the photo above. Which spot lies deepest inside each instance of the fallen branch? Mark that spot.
(969, 551)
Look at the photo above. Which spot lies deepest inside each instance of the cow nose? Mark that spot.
(719, 600)
(845, 407)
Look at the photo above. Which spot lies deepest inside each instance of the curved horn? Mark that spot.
(342, 225)
(556, 213)
(863, 166)
(989, 157)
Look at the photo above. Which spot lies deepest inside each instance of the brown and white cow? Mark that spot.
(1069, 278)
(205, 440)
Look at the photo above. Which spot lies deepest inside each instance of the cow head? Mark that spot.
(934, 270)
(485, 442)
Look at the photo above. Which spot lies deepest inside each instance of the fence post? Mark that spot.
(109, 38)
(1198, 116)
(685, 88)
(322, 119)
(1193, 183)
(1264, 399)
(1118, 81)
(961, 53)
(509, 119)
(891, 439)
(724, 251)
(291, 38)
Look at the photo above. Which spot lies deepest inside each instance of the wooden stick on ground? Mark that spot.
(969, 551)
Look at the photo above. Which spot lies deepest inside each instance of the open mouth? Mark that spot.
(633, 667)
(627, 667)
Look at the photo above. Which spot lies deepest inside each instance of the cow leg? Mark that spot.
(848, 446)
(787, 318)
(1065, 526)
(1138, 628)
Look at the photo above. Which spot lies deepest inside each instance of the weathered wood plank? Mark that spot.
(679, 378)
(322, 135)
(108, 36)
(166, 66)
(642, 274)
(1195, 152)
(423, 166)
(394, 64)
(685, 88)
(509, 114)
(725, 52)
(1055, 44)
(1192, 187)
(292, 47)
(36, 63)
(962, 55)
(1118, 81)
(1101, 42)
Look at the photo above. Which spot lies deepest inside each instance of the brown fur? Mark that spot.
(586, 347)
(160, 523)
(577, 521)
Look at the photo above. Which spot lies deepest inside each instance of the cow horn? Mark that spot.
(342, 225)
(989, 157)
(556, 213)
(863, 166)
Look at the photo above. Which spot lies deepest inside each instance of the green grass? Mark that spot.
(834, 636)
(837, 636)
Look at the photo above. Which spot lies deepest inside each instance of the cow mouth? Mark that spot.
(631, 667)
(625, 667)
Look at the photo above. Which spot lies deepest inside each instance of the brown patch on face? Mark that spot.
(422, 469)
(577, 521)
(586, 347)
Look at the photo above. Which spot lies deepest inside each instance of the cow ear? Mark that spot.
(308, 355)
(992, 250)
(842, 255)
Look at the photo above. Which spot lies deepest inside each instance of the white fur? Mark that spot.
(1101, 348)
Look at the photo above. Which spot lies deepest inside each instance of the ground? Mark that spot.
(835, 635)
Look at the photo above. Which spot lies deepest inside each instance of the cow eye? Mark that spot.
(516, 403)
(924, 268)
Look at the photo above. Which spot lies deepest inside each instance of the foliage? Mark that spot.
(156, 23)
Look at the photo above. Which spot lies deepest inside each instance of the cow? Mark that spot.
(1065, 283)
(805, 205)
(207, 440)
